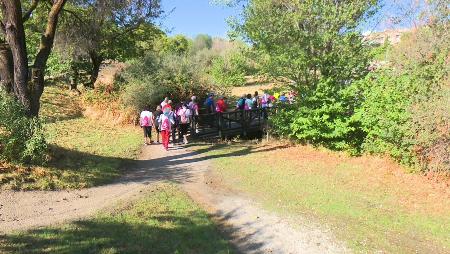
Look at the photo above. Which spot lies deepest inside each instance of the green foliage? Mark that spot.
(231, 68)
(21, 138)
(384, 114)
(147, 81)
(431, 124)
(405, 112)
(324, 117)
(315, 44)
(202, 41)
(179, 44)
(307, 40)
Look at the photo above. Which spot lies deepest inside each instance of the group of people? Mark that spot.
(248, 102)
(168, 120)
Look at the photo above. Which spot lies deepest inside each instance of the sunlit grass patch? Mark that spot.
(367, 201)
(165, 220)
(83, 152)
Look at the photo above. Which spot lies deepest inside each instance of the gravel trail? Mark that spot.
(251, 228)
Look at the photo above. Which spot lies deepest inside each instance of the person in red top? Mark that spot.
(221, 105)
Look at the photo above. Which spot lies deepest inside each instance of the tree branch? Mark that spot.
(75, 16)
(49, 35)
(33, 7)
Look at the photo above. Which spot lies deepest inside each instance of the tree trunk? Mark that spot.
(45, 48)
(96, 63)
(15, 37)
(74, 77)
(6, 68)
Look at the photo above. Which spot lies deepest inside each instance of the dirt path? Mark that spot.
(251, 228)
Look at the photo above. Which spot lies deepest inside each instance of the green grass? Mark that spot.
(361, 205)
(83, 152)
(164, 221)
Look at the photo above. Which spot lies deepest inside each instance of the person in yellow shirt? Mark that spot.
(276, 95)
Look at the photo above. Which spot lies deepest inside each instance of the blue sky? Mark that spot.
(192, 17)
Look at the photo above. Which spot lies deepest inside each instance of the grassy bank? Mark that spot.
(368, 202)
(165, 220)
(83, 152)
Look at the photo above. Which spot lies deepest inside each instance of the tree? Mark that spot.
(308, 40)
(12, 26)
(177, 44)
(6, 68)
(318, 46)
(202, 41)
(109, 29)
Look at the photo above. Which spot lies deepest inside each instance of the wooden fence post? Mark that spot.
(220, 123)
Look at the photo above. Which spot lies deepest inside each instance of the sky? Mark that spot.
(192, 17)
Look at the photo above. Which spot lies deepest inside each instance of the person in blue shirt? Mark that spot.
(209, 103)
(283, 98)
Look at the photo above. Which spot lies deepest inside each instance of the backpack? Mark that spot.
(165, 125)
(241, 103)
(264, 99)
(145, 121)
(184, 118)
(255, 102)
(188, 112)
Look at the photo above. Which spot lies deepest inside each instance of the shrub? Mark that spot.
(21, 138)
(147, 81)
(385, 117)
(323, 117)
(406, 108)
(231, 69)
(431, 127)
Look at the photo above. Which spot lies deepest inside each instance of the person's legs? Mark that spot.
(174, 134)
(150, 134)
(162, 138)
(146, 133)
(183, 130)
(165, 139)
(157, 134)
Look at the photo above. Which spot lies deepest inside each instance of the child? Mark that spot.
(165, 122)
(146, 122)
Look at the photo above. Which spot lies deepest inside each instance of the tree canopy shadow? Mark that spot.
(113, 235)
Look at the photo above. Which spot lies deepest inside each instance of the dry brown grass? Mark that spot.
(250, 89)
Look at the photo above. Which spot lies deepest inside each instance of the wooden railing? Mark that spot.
(240, 122)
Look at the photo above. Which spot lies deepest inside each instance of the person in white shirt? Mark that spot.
(147, 121)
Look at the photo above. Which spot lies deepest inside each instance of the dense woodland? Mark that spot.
(399, 108)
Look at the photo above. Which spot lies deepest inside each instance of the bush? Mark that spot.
(431, 126)
(406, 110)
(385, 117)
(231, 69)
(324, 117)
(22, 138)
(147, 81)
